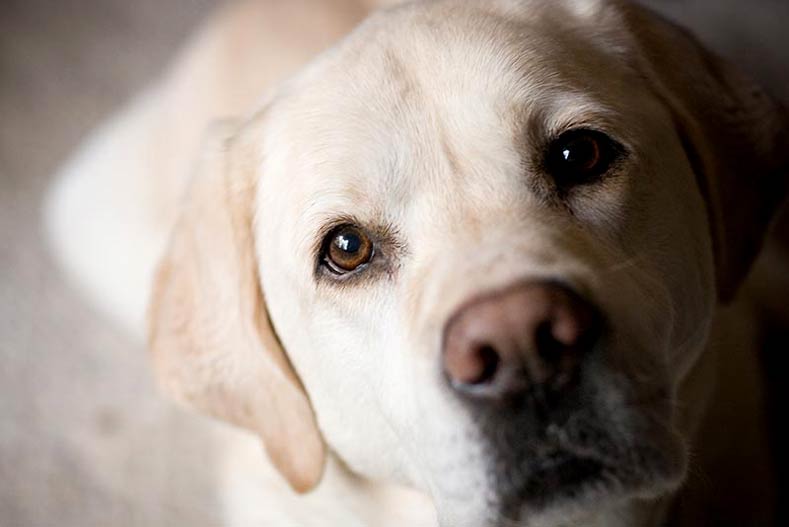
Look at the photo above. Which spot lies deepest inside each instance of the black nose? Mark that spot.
(531, 337)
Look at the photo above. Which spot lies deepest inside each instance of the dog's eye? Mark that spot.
(347, 248)
(580, 156)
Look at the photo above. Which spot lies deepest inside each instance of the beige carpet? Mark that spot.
(84, 440)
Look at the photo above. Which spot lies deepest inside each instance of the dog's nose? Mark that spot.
(529, 337)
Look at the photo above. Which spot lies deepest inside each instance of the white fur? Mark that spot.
(425, 142)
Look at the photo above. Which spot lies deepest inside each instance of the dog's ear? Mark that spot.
(736, 138)
(211, 341)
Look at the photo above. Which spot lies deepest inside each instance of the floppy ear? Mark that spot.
(211, 341)
(735, 135)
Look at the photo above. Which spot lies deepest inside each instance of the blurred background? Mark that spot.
(84, 438)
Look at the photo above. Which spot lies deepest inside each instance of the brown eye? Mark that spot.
(347, 248)
(580, 156)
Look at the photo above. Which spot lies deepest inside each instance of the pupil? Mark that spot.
(576, 152)
(349, 243)
(579, 152)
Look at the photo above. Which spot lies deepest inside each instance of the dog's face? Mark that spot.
(483, 235)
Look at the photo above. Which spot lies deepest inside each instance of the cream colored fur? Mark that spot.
(422, 119)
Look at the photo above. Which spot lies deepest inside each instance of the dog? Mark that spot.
(474, 263)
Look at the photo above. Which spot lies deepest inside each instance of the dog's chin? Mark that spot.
(561, 474)
(564, 484)
(571, 484)
(592, 461)
(582, 485)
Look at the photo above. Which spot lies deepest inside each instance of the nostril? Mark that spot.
(489, 361)
(561, 342)
(549, 348)
(472, 365)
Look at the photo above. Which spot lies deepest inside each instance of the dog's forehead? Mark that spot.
(424, 100)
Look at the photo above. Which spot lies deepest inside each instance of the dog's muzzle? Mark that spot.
(517, 358)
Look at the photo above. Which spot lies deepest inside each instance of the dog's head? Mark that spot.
(474, 248)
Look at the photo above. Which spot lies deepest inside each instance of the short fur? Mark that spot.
(428, 123)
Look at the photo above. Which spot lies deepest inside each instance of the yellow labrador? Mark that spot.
(460, 269)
